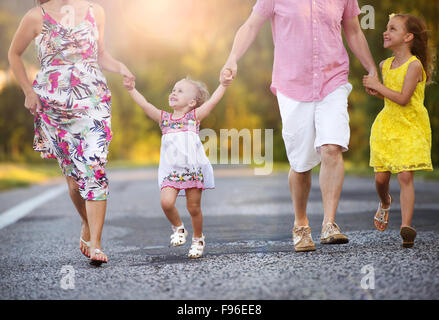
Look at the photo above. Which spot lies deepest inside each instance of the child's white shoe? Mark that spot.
(197, 247)
(179, 238)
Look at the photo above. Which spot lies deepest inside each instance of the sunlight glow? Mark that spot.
(166, 20)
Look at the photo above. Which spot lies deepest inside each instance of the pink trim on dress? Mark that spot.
(183, 185)
(183, 122)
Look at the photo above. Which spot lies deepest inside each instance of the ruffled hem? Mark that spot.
(183, 185)
(181, 189)
(398, 169)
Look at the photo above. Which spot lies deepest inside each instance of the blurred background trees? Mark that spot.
(164, 41)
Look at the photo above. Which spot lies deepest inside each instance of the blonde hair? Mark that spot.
(202, 92)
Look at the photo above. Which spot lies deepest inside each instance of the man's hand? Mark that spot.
(228, 73)
(371, 82)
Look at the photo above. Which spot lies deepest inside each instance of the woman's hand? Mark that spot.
(128, 77)
(32, 102)
(125, 72)
(129, 83)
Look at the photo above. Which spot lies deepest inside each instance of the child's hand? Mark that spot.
(129, 83)
(371, 82)
(372, 92)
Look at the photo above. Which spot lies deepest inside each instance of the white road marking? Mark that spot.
(12, 215)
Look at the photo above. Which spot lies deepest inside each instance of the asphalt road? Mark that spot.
(249, 253)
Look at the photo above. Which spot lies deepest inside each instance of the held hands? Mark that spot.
(228, 73)
(129, 83)
(371, 83)
(128, 77)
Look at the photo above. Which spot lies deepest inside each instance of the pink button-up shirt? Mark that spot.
(310, 60)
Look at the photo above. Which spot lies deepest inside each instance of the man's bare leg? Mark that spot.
(300, 185)
(331, 179)
(331, 183)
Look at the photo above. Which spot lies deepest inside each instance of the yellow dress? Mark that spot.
(400, 138)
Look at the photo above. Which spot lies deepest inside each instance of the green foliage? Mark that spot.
(16, 127)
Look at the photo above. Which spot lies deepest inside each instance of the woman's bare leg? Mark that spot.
(96, 216)
(79, 204)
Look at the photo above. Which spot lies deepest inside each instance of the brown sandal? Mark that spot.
(381, 218)
(408, 235)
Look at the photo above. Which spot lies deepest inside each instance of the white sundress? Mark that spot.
(183, 161)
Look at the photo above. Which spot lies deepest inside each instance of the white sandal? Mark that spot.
(197, 249)
(96, 262)
(87, 243)
(179, 238)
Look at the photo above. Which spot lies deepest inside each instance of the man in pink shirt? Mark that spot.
(310, 80)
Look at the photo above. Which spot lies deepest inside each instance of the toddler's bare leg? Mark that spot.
(168, 196)
(193, 202)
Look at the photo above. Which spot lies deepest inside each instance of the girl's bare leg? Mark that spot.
(382, 183)
(407, 197)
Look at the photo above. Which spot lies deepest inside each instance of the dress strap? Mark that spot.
(43, 11)
(192, 114)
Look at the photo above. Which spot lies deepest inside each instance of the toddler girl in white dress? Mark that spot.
(184, 167)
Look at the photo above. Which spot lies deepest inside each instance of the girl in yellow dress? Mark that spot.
(400, 140)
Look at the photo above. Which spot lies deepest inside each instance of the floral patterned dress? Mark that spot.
(74, 125)
(183, 162)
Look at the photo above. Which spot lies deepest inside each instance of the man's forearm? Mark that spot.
(243, 39)
(358, 44)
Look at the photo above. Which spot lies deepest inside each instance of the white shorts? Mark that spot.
(306, 126)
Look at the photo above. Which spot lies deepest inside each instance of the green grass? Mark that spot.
(14, 175)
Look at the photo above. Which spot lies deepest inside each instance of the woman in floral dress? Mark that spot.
(71, 102)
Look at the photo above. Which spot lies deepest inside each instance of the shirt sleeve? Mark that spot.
(264, 8)
(351, 9)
